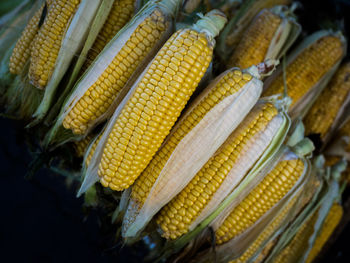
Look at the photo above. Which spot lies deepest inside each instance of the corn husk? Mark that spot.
(58, 134)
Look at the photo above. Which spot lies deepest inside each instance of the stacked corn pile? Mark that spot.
(122, 86)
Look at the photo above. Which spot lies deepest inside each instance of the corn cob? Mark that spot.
(21, 52)
(156, 101)
(332, 220)
(244, 20)
(323, 113)
(81, 146)
(292, 252)
(255, 42)
(215, 180)
(232, 82)
(106, 83)
(262, 198)
(268, 232)
(47, 42)
(120, 14)
(316, 60)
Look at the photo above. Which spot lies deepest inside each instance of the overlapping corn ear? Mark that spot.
(269, 36)
(145, 116)
(243, 228)
(103, 86)
(309, 68)
(331, 222)
(82, 145)
(296, 242)
(224, 103)
(222, 172)
(63, 34)
(236, 27)
(323, 117)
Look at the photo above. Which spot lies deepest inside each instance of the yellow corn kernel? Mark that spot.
(47, 43)
(231, 83)
(81, 146)
(92, 150)
(308, 68)
(331, 222)
(320, 117)
(21, 51)
(263, 197)
(267, 232)
(155, 105)
(100, 96)
(176, 217)
(255, 43)
(120, 14)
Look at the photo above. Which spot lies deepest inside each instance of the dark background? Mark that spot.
(41, 219)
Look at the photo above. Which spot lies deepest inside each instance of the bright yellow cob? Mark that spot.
(47, 43)
(308, 68)
(293, 251)
(120, 14)
(255, 43)
(156, 102)
(268, 231)
(332, 220)
(102, 93)
(262, 198)
(321, 116)
(231, 83)
(81, 146)
(21, 51)
(178, 215)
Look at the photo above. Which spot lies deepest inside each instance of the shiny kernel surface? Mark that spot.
(262, 198)
(228, 85)
(146, 130)
(308, 68)
(256, 41)
(47, 42)
(322, 114)
(210, 177)
(102, 93)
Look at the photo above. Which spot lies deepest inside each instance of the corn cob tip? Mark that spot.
(211, 23)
